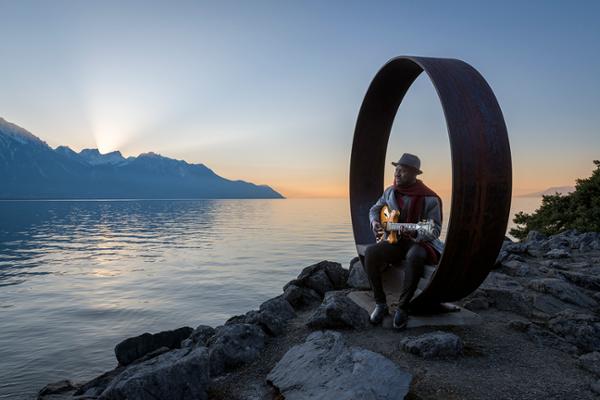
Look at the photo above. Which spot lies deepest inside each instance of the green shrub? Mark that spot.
(577, 210)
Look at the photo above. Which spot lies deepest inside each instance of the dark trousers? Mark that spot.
(377, 257)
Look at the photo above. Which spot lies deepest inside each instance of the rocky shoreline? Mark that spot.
(540, 338)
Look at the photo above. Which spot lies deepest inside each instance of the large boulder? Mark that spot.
(324, 367)
(357, 276)
(301, 297)
(321, 277)
(338, 311)
(178, 374)
(279, 306)
(233, 345)
(133, 348)
(433, 345)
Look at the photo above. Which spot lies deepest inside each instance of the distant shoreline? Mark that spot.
(151, 199)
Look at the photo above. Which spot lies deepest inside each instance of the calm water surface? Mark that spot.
(77, 277)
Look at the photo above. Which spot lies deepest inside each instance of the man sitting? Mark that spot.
(416, 202)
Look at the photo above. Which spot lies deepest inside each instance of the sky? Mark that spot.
(269, 92)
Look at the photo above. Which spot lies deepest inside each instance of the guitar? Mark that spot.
(391, 226)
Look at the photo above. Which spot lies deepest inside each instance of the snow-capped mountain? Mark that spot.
(93, 157)
(30, 169)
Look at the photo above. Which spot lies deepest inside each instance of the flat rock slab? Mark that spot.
(364, 298)
(325, 367)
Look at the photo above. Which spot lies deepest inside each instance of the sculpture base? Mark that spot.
(448, 315)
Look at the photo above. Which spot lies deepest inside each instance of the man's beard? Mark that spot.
(404, 184)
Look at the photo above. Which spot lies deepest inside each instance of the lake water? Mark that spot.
(77, 277)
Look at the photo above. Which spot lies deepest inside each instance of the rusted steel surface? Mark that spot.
(481, 168)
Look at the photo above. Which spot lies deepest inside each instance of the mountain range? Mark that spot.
(563, 190)
(30, 169)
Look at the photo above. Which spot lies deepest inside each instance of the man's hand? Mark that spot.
(407, 234)
(377, 228)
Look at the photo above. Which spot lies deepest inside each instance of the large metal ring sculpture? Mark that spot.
(481, 168)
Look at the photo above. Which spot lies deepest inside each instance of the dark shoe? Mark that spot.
(380, 311)
(400, 319)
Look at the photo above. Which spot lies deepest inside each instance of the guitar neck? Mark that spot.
(394, 226)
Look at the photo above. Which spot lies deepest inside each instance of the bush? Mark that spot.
(577, 210)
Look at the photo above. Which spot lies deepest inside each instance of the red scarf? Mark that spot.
(417, 192)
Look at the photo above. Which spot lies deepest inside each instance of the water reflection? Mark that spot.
(77, 277)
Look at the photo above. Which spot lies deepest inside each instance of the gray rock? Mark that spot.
(535, 236)
(97, 385)
(357, 277)
(325, 368)
(177, 374)
(558, 253)
(199, 336)
(279, 306)
(322, 277)
(269, 322)
(547, 304)
(58, 387)
(590, 362)
(504, 256)
(593, 245)
(516, 248)
(498, 280)
(556, 242)
(514, 268)
(512, 251)
(233, 345)
(563, 291)
(433, 345)
(580, 329)
(152, 354)
(586, 241)
(512, 300)
(336, 273)
(319, 282)
(301, 297)
(506, 294)
(133, 348)
(338, 311)
(476, 304)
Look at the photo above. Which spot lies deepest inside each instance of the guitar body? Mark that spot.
(387, 215)
(391, 227)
